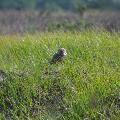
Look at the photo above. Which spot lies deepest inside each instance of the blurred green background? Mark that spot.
(21, 16)
(59, 4)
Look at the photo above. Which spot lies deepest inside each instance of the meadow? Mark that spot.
(86, 86)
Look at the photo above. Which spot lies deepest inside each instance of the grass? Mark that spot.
(85, 86)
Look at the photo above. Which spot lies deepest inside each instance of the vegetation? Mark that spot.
(55, 4)
(85, 86)
(20, 22)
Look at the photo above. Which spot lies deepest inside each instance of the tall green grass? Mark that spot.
(85, 86)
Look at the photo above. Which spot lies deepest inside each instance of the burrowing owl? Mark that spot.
(3, 75)
(59, 56)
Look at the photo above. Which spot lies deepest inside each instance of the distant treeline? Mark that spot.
(59, 4)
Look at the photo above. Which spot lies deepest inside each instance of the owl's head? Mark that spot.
(62, 52)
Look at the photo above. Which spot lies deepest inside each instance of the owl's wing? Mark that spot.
(55, 58)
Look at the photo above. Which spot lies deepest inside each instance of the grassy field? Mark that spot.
(86, 86)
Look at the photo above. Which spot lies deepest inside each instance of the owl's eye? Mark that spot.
(65, 53)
